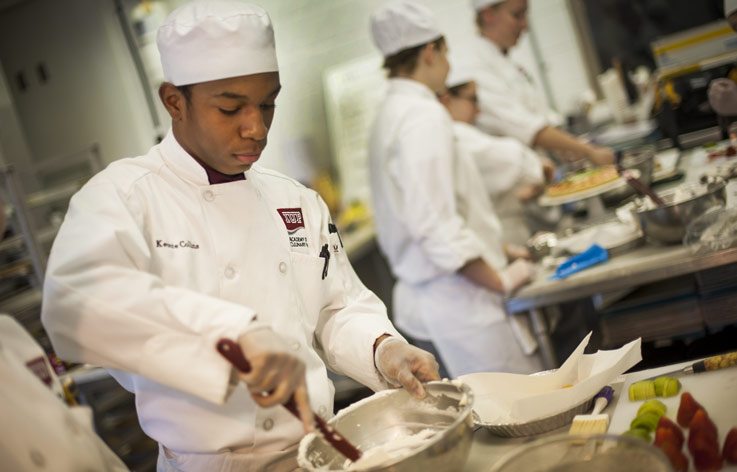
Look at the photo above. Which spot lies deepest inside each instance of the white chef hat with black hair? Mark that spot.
(479, 5)
(208, 40)
(401, 25)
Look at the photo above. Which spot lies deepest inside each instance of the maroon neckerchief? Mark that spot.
(216, 177)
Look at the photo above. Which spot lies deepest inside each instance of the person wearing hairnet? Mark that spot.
(433, 220)
(513, 173)
(162, 255)
(40, 430)
(723, 92)
(510, 105)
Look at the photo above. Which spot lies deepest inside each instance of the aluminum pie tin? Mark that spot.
(543, 425)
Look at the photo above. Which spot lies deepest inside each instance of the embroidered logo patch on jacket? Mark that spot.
(292, 218)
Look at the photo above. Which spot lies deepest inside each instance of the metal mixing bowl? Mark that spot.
(683, 204)
(383, 418)
(641, 158)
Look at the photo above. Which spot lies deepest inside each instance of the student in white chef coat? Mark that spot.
(510, 105)
(162, 255)
(433, 219)
(513, 174)
(39, 430)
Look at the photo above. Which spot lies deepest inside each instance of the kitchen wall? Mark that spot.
(312, 35)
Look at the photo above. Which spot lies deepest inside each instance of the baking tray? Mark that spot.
(543, 425)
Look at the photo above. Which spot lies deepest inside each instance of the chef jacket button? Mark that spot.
(37, 458)
(268, 424)
(283, 267)
(208, 195)
(229, 272)
(322, 411)
(295, 346)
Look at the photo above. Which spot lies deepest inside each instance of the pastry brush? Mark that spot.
(596, 422)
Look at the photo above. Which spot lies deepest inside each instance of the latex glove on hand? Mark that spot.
(723, 97)
(525, 193)
(516, 274)
(403, 364)
(275, 373)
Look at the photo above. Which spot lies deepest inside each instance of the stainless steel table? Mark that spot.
(643, 265)
(649, 263)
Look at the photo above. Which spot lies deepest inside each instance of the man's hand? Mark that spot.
(515, 274)
(403, 364)
(515, 251)
(600, 155)
(275, 374)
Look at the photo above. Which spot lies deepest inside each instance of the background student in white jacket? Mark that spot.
(513, 174)
(510, 105)
(162, 255)
(433, 219)
(41, 431)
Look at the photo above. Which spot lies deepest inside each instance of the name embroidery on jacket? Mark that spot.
(186, 244)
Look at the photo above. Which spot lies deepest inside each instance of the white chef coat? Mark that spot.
(505, 164)
(432, 217)
(40, 432)
(510, 104)
(153, 265)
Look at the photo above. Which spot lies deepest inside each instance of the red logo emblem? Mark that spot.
(292, 218)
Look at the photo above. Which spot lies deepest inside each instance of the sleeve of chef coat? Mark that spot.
(504, 163)
(102, 306)
(502, 114)
(424, 172)
(351, 319)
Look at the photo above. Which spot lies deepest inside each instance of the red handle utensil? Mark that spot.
(232, 351)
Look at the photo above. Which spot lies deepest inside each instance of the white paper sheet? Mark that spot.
(516, 399)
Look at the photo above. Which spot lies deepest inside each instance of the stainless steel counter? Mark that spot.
(643, 265)
(646, 264)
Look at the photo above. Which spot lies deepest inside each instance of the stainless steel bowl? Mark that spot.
(683, 204)
(383, 418)
(641, 158)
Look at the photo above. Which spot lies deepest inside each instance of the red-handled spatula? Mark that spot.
(232, 351)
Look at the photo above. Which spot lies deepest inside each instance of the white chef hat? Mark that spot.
(729, 7)
(216, 39)
(401, 25)
(460, 73)
(479, 5)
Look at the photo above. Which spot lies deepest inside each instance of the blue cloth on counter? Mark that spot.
(595, 254)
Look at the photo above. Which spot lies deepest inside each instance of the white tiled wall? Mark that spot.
(313, 35)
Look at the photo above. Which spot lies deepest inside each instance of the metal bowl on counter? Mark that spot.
(641, 158)
(602, 453)
(384, 425)
(683, 204)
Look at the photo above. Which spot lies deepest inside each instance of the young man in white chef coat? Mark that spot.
(431, 213)
(510, 105)
(162, 255)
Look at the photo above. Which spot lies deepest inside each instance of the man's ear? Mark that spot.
(426, 55)
(174, 101)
